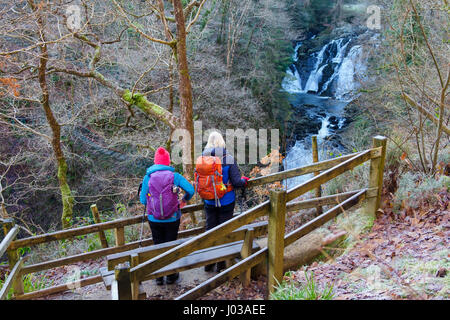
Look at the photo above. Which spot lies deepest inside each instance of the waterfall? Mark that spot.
(351, 66)
(316, 75)
(332, 79)
(337, 63)
(292, 82)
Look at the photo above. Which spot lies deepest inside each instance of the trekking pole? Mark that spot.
(143, 218)
(142, 228)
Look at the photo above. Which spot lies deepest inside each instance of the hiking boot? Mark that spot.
(171, 278)
(160, 281)
(221, 266)
(209, 267)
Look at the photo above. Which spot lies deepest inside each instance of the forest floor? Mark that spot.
(405, 255)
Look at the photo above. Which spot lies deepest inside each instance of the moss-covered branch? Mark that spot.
(150, 108)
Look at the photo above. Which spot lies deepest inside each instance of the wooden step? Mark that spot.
(194, 260)
(149, 252)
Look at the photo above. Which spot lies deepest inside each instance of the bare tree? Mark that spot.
(41, 53)
(36, 57)
(423, 73)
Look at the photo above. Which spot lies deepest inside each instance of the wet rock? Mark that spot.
(333, 120)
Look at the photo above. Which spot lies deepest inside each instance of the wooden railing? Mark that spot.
(329, 169)
(11, 232)
(275, 209)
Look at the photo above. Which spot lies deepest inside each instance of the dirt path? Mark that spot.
(405, 256)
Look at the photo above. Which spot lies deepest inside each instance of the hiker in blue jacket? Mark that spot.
(159, 195)
(218, 214)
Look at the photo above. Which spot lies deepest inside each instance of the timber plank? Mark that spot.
(262, 254)
(329, 174)
(260, 228)
(199, 242)
(99, 253)
(194, 260)
(201, 258)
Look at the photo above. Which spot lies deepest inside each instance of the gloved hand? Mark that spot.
(245, 179)
(182, 203)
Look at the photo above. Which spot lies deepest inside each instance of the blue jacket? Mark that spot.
(178, 180)
(230, 172)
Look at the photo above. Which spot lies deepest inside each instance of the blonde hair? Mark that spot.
(215, 140)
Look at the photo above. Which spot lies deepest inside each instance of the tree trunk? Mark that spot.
(187, 122)
(439, 130)
(66, 194)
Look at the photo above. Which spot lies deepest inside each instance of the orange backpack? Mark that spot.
(209, 180)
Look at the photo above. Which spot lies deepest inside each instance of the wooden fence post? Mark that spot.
(275, 241)
(13, 258)
(135, 284)
(101, 234)
(120, 236)
(122, 277)
(246, 251)
(315, 156)
(376, 175)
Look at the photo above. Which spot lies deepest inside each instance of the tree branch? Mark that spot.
(422, 110)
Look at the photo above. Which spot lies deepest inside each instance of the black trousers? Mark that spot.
(218, 215)
(214, 217)
(165, 232)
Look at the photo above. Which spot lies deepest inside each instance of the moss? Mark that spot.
(142, 103)
(66, 195)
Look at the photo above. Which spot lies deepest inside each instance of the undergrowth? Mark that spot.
(290, 290)
(30, 283)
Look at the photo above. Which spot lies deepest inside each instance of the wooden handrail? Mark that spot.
(324, 217)
(60, 288)
(328, 175)
(94, 228)
(8, 239)
(15, 272)
(198, 242)
(261, 255)
(203, 240)
(315, 167)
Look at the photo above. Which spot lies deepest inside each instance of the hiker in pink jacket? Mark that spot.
(159, 193)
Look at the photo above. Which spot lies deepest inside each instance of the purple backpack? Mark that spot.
(162, 202)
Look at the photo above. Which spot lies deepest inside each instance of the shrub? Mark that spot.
(413, 187)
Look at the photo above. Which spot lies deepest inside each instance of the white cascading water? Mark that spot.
(336, 60)
(351, 66)
(345, 65)
(316, 74)
(292, 82)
